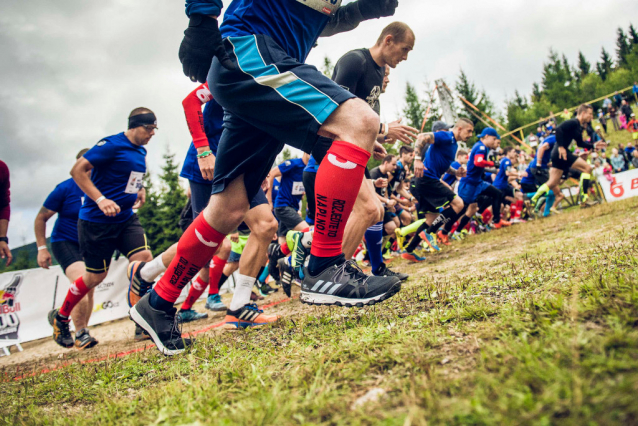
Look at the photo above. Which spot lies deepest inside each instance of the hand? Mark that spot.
(5, 253)
(562, 153)
(44, 258)
(381, 183)
(202, 41)
(391, 203)
(372, 9)
(405, 134)
(206, 164)
(418, 168)
(600, 145)
(461, 172)
(379, 152)
(141, 199)
(109, 207)
(234, 237)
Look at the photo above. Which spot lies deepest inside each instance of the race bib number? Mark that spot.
(297, 188)
(327, 7)
(134, 183)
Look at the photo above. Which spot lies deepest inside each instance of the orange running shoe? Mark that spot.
(412, 257)
(137, 287)
(248, 316)
(502, 223)
(443, 238)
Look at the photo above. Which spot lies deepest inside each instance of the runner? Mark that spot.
(398, 189)
(5, 213)
(432, 194)
(199, 168)
(541, 171)
(107, 222)
(66, 200)
(563, 159)
(507, 172)
(473, 186)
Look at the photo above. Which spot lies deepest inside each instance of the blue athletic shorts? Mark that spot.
(469, 191)
(270, 100)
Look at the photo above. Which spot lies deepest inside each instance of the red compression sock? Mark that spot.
(194, 250)
(337, 184)
(77, 291)
(196, 290)
(216, 270)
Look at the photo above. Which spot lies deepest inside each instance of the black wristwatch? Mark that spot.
(5, 239)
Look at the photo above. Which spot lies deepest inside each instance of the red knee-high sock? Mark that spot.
(196, 290)
(77, 291)
(337, 184)
(216, 270)
(194, 250)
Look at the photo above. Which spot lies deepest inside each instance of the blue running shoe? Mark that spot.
(214, 303)
(189, 315)
(430, 240)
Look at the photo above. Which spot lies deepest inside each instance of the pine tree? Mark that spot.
(328, 67)
(584, 67)
(605, 66)
(414, 109)
(478, 98)
(623, 48)
(633, 36)
(537, 93)
(520, 101)
(160, 214)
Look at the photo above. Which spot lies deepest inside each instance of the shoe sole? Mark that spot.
(325, 299)
(89, 345)
(137, 319)
(195, 319)
(219, 309)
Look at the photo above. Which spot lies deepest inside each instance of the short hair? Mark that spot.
(81, 153)
(461, 152)
(506, 150)
(139, 111)
(583, 108)
(462, 122)
(398, 30)
(388, 158)
(405, 149)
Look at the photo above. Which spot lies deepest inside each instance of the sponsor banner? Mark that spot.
(26, 297)
(624, 185)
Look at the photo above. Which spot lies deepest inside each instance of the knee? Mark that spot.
(457, 204)
(265, 228)
(367, 122)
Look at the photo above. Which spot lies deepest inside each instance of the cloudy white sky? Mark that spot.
(70, 71)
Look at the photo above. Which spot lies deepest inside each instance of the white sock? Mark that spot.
(243, 288)
(152, 269)
(306, 240)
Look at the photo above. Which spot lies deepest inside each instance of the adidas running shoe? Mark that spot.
(214, 303)
(286, 272)
(164, 327)
(347, 285)
(430, 240)
(189, 315)
(274, 254)
(137, 287)
(248, 316)
(384, 271)
(83, 340)
(61, 334)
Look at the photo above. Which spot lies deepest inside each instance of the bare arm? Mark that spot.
(541, 152)
(5, 253)
(421, 141)
(274, 172)
(40, 227)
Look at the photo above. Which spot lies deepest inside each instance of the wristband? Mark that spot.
(100, 199)
(417, 158)
(4, 239)
(387, 129)
(380, 128)
(205, 154)
(44, 247)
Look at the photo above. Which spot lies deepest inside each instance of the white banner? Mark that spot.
(26, 297)
(624, 185)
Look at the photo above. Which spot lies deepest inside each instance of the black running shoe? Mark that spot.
(164, 328)
(274, 254)
(347, 285)
(286, 273)
(141, 334)
(384, 271)
(265, 289)
(83, 340)
(61, 333)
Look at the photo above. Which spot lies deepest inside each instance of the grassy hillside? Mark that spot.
(535, 324)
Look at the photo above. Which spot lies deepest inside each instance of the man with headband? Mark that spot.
(106, 221)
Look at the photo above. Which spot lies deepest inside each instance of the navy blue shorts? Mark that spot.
(270, 100)
(469, 191)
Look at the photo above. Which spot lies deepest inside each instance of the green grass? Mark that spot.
(536, 324)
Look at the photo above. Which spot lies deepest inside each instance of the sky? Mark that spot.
(72, 71)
